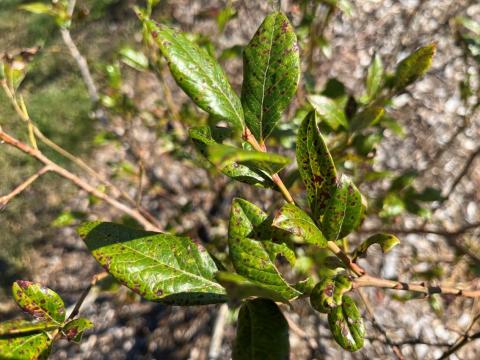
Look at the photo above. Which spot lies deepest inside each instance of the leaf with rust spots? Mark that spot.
(329, 291)
(251, 250)
(315, 165)
(198, 74)
(160, 267)
(73, 330)
(39, 301)
(346, 325)
(297, 222)
(262, 332)
(344, 211)
(25, 346)
(18, 327)
(271, 71)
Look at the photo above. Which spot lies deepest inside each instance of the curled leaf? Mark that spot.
(346, 325)
(328, 293)
(386, 241)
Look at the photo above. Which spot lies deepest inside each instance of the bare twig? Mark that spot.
(465, 339)
(218, 332)
(465, 169)
(81, 183)
(85, 292)
(4, 200)
(371, 281)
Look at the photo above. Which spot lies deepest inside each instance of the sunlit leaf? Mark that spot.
(198, 74)
(74, 329)
(271, 74)
(347, 326)
(262, 332)
(26, 347)
(315, 165)
(39, 301)
(160, 267)
(374, 76)
(294, 220)
(386, 241)
(328, 293)
(19, 327)
(413, 67)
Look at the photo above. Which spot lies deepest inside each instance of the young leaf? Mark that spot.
(198, 74)
(347, 326)
(271, 71)
(294, 220)
(202, 139)
(17, 327)
(262, 332)
(251, 258)
(328, 293)
(39, 301)
(160, 267)
(223, 155)
(344, 211)
(26, 347)
(329, 111)
(386, 241)
(374, 77)
(38, 8)
(73, 330)
(238, 288)
(413, 67)
(315, 165)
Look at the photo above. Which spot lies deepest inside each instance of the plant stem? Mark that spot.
(357, 269)
(85, 292)
(248, 136)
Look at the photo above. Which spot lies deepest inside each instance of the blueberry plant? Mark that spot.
(176, 270)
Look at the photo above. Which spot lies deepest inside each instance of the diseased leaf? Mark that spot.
(294, 220)
(413, 67)
(73, 330)
(344, 211)
(243, 172)
(329, 291)
(198, 74)
(17, 327)
(262, 332)
(39, 301)
(329, 111)
(347, 326)
(315, 165)
(386, 241)
(374, 77)
(253, 258)
(238, 288)
(271, 71)
(160, 267)
(25, 347)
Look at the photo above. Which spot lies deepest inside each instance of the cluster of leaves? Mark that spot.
(27, 339)
(176, 270)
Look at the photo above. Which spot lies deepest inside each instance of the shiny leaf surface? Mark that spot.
(160, 267)
(271, 74)
(26, 347)
(347, 326)
(73, 330)
(386, 241)
(414, 66)
(329, 111)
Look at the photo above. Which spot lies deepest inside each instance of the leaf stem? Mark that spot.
(357, 269)
(248, 137)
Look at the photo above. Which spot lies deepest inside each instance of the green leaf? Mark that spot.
(347, 326)
(252, 258)
(202, 138)
(329, 111)
(413, 67)
(38, 8)
(386, 241)
(224, 16)
(328, 293)
(198, 74)
(26, 347)
(73, 330)
(224, 155)
(343, 212)
(374, 77)
(271, 71)
(315, 165)
(238, 288)
(369, 116)
(262, 332)
(17, 327)
(160, 267)
(39, 301)
(296, 221)
(133, 58)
